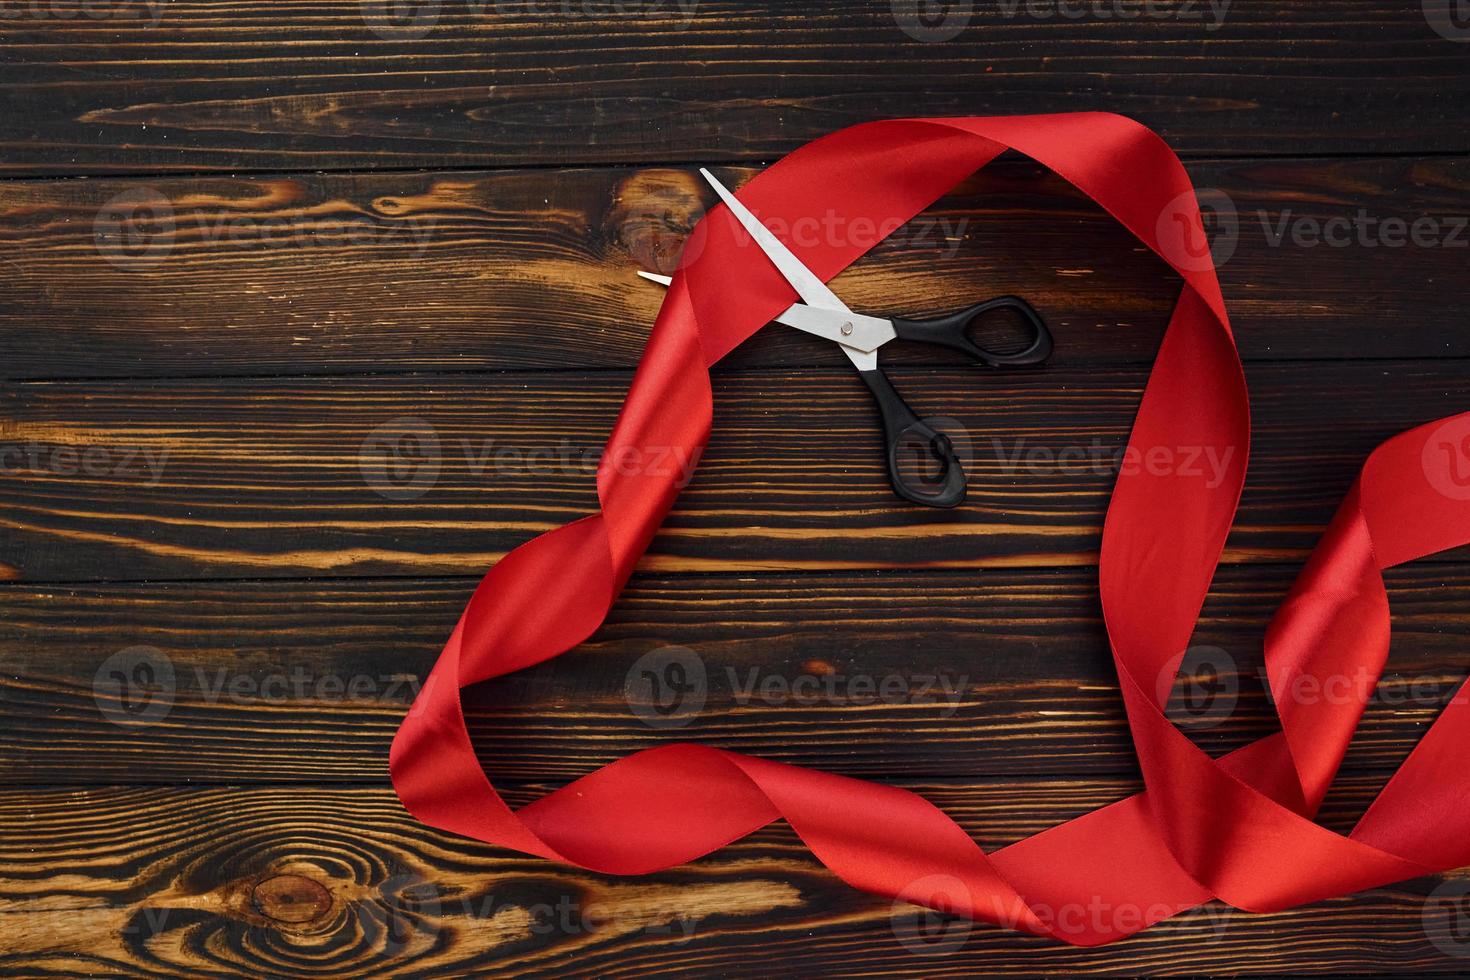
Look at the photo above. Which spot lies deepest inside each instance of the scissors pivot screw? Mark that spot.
(846, 328)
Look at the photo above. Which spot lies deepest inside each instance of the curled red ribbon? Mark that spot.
(1238, 828)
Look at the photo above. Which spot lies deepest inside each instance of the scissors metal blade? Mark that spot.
(855, 332)
(811, 289)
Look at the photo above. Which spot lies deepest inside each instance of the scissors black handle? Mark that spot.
(953, 331)
(922, 464)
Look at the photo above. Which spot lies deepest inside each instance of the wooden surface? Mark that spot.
(363, 226)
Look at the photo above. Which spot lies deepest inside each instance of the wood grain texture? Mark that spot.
(341, 882)
(890, 675)
(143, 86)
(263, 426)
(335, 274)
(441, 475)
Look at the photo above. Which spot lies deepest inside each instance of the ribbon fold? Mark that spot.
(1239, 828)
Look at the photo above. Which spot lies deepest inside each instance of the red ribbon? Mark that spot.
(1238, 828)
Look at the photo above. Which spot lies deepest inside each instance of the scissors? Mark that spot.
(938, 480)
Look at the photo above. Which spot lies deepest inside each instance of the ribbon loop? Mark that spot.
(1238, 828)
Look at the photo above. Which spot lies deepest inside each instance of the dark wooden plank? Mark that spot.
(311, 274)
(274, 478)
(291, 856)
(886, 676)
(136, 85)
(341, 882)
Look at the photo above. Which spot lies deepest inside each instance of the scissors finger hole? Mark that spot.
(1003, 331)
